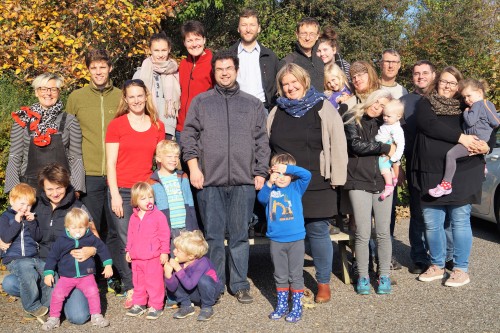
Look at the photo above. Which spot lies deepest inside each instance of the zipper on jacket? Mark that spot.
(228, 145)
(77, 266)
(103, 130)
(189, 87)
(22, 239)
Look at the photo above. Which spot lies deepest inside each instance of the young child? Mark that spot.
(19, 227)
(191, 276)
(336, 85)
(173, 195)
(391, 132)
(148, 246)
(479, 120)
(282, 198)
(74, 274)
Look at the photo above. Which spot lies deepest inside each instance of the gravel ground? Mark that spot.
(414, 306)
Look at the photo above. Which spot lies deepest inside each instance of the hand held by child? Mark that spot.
(163, 258)
(108, 271)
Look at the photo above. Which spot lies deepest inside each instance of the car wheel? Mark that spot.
(497, 211)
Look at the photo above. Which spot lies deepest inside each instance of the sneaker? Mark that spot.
(114, 286)
(432, 273)
(384, 285)
(363, 286)
(51, 323)
(153, 313)
(457, 278)
(136, 310)
(449, 265)
(99, 321)
(40, 312)
(128, 299)
(395, 265)
(243, 296)
(439, 191)
(205, 314)
(418, 268)
(171, 304)
(183, 312)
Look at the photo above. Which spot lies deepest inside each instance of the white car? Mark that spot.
(489, 209)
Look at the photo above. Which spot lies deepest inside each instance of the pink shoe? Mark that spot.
(439, 191)
(389, 189)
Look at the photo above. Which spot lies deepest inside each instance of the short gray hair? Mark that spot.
(42, 79)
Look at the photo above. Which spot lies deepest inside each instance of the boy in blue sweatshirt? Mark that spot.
(282, 197)
(19, 227)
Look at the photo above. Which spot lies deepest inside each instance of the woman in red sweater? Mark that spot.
(131, 141)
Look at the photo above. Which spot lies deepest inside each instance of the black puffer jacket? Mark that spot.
(363, 172)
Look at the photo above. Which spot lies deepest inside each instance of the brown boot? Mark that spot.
(324, 293)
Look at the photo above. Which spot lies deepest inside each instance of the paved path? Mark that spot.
(413, 307)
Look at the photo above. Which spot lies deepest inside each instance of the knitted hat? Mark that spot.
(358, 68)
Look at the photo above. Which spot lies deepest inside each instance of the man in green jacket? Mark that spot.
(95, 106)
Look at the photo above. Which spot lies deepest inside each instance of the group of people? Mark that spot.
(336, 133)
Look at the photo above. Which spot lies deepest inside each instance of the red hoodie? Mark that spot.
(195, 76)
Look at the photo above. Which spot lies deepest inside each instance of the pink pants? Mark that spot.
(147, 276)
(65, 285)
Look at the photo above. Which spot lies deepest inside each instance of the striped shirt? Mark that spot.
(175, 201)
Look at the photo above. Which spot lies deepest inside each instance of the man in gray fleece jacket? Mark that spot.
(225, 145)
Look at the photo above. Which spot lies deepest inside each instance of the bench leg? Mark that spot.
(345, 264)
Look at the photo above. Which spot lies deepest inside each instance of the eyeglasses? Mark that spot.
(358, 76)
(223, 70)
(450, 83)
(390, 62)
(45, 90)
(136, 81)
(310, 34)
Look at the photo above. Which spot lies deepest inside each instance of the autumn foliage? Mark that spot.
(53, 35)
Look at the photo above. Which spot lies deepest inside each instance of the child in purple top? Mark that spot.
(192, 277)
(479, 120)
(336, 85)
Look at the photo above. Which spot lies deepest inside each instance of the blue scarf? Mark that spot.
(299, 107)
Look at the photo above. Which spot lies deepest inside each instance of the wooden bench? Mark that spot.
(342, 239)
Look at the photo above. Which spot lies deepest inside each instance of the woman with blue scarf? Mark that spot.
(307, 126)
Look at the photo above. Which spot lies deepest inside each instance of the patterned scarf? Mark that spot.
(169, 76)
(42, 121)
(444, 106)
(299, 107)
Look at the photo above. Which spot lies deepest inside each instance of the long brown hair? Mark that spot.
(149, 109)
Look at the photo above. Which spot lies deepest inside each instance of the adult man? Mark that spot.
(225, 146)
(258, 64)
(304, 55)
(390, 65)
(424, 74)
(94, 106)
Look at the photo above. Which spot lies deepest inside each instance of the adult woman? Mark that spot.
(439, 118)
(328, 48)
(160, 74)
(131, 140)
(364, 80)
(364, 184)
(307, 126)
(44, 133)
(57, 198)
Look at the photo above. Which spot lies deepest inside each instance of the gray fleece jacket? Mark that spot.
(225, 130)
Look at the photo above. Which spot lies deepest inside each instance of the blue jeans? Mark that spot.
(76, 306)
(228, 208)
(33, 291)
(206, 292)
(117, 238)
(416, 232)
(459, 218)
(318, 235)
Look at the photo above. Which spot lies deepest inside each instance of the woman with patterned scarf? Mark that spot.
(308, 127)
(439, 128)
(161, 76)
(43, 133)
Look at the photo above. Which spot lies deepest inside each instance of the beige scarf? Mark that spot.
(169, 76)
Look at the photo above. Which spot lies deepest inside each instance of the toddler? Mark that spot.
(479, 120)
(191, 276)
(391, 132)
(19, 227)
(148, 246)
(282, 198)
(75, 274)
(336, 85)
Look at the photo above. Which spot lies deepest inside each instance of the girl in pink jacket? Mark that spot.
(148, 246)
